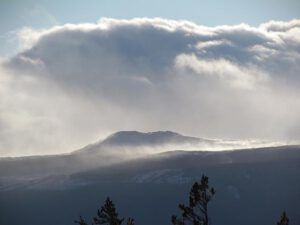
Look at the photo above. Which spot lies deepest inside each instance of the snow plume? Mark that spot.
(73, 84)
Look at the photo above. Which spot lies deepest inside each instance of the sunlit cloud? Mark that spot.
(73, 84)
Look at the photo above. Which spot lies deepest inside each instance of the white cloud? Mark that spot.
(74, 83)
(280, 26)
(223, 70)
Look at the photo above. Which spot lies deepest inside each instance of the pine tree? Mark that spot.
(284, 220)
(81, 221)
(130, 221)
(196, 213)
(106, 215)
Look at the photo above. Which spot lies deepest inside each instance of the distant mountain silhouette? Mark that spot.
(131, 141)
(135, 138)
(115, 148)
(118, 147)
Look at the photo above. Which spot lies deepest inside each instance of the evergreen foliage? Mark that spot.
(196, 213)
(106, 215)
(284, 220)
(81, 221)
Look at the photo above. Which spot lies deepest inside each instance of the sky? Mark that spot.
(72, 72)
(15, 14)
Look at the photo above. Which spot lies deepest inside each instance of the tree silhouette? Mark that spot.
(197, 211)
(106, 215)
(130, 221)
(284, 220)
(81, 221)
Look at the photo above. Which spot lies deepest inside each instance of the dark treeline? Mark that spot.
(195, 213)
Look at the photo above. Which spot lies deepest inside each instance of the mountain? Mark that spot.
(250, 184)
(131, 141)
(118, 147)
(159, 138)
(115, 148)
(147, 176)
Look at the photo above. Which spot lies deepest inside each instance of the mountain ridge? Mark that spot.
(137, 139)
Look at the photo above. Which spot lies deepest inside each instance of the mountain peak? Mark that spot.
(135, 138)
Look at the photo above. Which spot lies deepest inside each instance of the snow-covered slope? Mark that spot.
(134, 138)
(118, 147)
(139, 142)
(260, 182)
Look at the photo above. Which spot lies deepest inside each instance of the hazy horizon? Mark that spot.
(144, 150)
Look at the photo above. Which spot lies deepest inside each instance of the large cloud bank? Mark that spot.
(72, 84)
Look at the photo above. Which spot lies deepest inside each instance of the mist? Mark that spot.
(71, 85)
